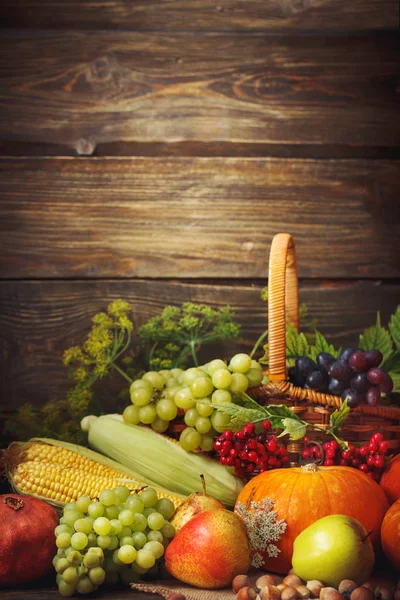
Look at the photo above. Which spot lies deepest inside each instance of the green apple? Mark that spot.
(333, 548)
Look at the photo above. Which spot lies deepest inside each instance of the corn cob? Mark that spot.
(163, 459)
(58, 472)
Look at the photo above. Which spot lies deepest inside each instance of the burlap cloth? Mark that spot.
(171, 586)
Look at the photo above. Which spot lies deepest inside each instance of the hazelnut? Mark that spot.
(303, 591)
(346, 587)
(292, 580)
(369, 586)
(269, 592)
(382, 593)
(264, 580)
(240, 581)
(289, 593)
(362, 593)
(281, 586)
(246, 593)
(315, 586)
(330, 593)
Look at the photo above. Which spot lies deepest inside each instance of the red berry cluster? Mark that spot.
(250, 452)
(369, 458)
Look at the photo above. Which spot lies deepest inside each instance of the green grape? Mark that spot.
(169, 393)
(126, 517)
(149, 497)
(201, 386)
(221, 397)
(60, 552)
(155, 548)
(145, 558)
(216, 364)
(191, 374)
(203, 424)
(68, 551)
(141, 383)
(139, 539)
(240, 363)
(63, 540)
(97, 575)
(127, 540)
(159, 425)
(207, 442)
(137, 569)
(79, 540)
(103, 541)
(147, 414)
(239, 383)
(155, 536)
(93, 558)
(183, 398)
(190, 439)
(115, 558)
(190, 417)
(168, 530)
(166, 409)
(166, 373)
(63, 528)
(256, 365)
(72, 515)
(141, 396)
(127, 576)
(84, 525)
(70, 575)
(84, 585)
(140, 523)
(171, 382)
(114, 542)
(156, 380)
(66, 589)
(111, 512)
(134, 504)
(204, 407)
(69, 506)
(148, 511)
(221, 378)
(204, 368)
(155, 521)
(220, 421)
(126, 530)
(107, 497)
(122, 492)
(61, 565)
(95, 510)
(254, 376)
(82, 504)
(102, 525)
(166, 507)
(55, 560)
(92, 539)
(75, 558)
(176, 372)
(116, 526)
(127, 554)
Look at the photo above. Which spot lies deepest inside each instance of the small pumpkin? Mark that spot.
(27, 538)
(302, 495)
(390, 480)
(390, 534)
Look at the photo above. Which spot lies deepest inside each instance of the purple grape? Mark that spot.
(336, 387)
(292, 373)
(317, 381)
(358, 362)
(373, 395)
(374, 358)
(304, 366)
(376, 376)
(324, 359)
(360, 383)
(386, 386)
(354, 398)
(346, 353)
(339, 370)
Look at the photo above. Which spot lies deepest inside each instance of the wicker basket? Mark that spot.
(313, 407)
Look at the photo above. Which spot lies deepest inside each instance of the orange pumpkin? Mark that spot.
(390, 534)
(390, 480)
(302, 495)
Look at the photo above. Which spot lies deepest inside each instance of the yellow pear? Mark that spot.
(196, 503)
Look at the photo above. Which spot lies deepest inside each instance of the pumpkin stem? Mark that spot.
(367, 536)
(14, 503)
(203, 484)
(310, 468)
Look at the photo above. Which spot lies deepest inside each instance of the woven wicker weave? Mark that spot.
(314, 407)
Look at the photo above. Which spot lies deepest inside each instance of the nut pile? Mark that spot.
(293, 588)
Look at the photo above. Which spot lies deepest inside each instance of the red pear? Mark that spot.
(196, 503)
(209, 550)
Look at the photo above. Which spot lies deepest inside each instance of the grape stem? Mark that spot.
(258, 343)
(121, 372)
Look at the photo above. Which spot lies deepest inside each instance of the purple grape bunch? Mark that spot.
(354, 374)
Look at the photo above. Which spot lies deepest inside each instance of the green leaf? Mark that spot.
(396, 381)
(240, 415)
(377, 338)
(296, 429)
(243, 399)
(321, 345)
(339, 416)
(392, 364)
(394, 327)
(296, 344)
(276, 414)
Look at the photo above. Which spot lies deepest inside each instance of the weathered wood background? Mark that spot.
(150, 151)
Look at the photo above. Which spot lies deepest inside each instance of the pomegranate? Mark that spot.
(27, 543)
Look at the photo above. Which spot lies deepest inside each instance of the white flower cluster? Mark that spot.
(263, 528)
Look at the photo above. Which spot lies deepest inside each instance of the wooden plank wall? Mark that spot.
(150, 151)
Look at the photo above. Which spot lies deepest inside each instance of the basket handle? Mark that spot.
(283, 301)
